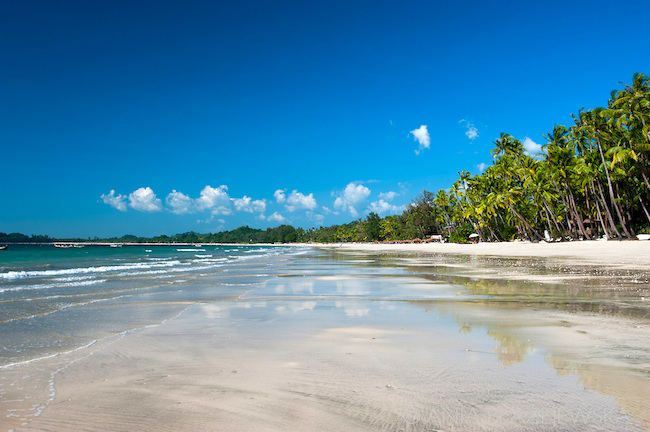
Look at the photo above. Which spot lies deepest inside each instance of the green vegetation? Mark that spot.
(592, 179)
(22, 238)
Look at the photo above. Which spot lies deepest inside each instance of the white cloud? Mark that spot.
(531, 146)
(298, 201)
(115, 201)
(318, 218)
(144, 199)
(383, 207)
(472, 132)
(215, 199)
(295, 201)
(276, 217)
(352, 198)
(481, 167)
(388, 196)
(421, 135)
(280, 195)
(248, 205)
(179, 203)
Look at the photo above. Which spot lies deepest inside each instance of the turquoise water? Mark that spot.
(54, 300)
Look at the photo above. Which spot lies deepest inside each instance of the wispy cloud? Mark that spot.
(472, 131)
(247, 204)
(383, 207)
(115, 201)
(421, 135)
(276, 217)
(318, 218)
(388, 196)
(481, 167)
(352, 198)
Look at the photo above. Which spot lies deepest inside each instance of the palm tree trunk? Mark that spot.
(608, 213)
(645, 178)
(567, 214)
(574, 209)
(611, 190)
(524, 222)
(645, 210)
(492, 236)
(547, 208)
(600, 215)
(627, 216)
(549, 229)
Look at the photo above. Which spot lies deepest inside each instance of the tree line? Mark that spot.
(592, 179)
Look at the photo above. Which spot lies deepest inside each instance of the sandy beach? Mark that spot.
(442, 337)
(622, 253)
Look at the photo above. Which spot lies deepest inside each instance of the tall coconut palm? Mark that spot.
(561, 155)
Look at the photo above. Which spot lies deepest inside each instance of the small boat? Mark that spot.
(4, 247)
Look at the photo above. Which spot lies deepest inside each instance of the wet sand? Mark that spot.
(369, 338)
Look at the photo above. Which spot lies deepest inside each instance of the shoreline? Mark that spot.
(617, 253)
(609, 252)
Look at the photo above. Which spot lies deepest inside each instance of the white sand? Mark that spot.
(633, 253)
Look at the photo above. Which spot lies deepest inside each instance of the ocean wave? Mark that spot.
(48, 356)
(53, 285)
(85, 270)
(73, 278)
(170, 272)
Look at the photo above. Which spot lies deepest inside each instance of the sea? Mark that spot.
(55, 300)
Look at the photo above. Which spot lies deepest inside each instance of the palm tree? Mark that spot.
(561, 155)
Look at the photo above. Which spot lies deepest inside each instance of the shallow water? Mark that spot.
(54, 300)
(492, 333)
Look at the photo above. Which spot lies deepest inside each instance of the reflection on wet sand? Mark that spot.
(589, 321)
(586, 321)
(509, 350)
(610, 355)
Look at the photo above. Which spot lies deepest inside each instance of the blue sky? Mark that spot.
(146, 118)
